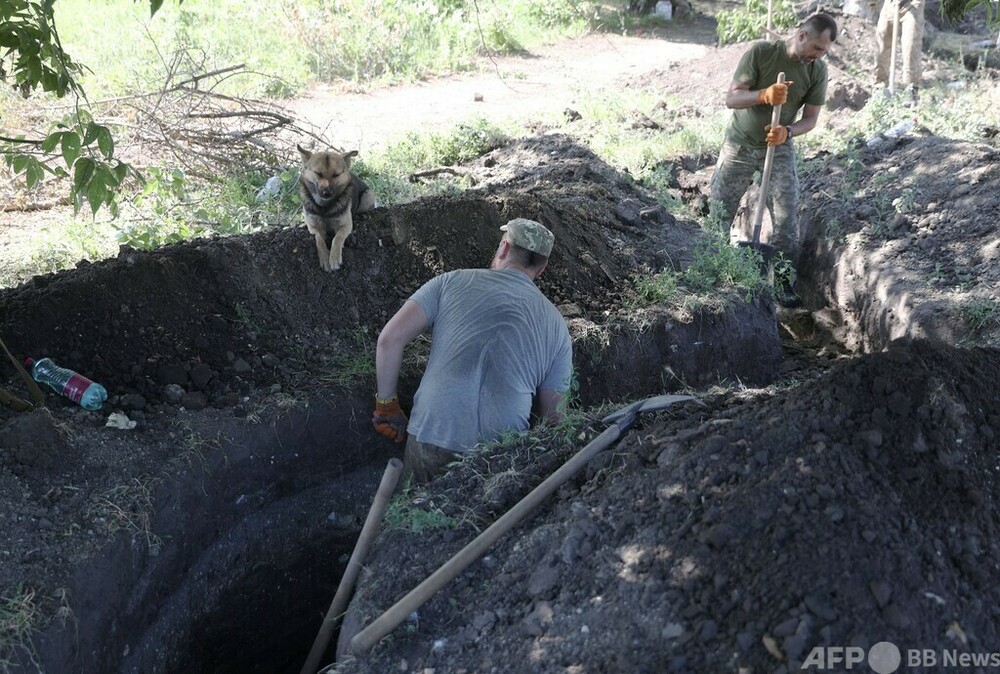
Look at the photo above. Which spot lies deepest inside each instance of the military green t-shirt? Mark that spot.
(758, 69)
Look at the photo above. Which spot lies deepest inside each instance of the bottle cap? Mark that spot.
(28, 361)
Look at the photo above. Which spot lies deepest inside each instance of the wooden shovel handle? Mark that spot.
(765, 176)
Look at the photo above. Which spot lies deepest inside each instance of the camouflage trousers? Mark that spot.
(911, 37)
(734, 173)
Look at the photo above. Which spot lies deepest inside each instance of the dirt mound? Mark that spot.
(855, 509)
(901, 241)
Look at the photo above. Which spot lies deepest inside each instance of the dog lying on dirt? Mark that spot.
(330, 195)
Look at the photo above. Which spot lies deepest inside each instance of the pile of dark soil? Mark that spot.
(857, 507)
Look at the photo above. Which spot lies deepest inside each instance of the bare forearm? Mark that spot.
(547, 405)
(741, 99)
(402, 328)
(803, 126)
(388, 360)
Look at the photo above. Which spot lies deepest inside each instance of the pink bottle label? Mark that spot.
(76, 387)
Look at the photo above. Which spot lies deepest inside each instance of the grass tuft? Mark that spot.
(18, 615)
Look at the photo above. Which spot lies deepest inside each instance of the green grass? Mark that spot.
(718, 274)
(18, 614)
(749, 21)
(353, 363)
(416, 515)
(981, 313)
(957, 113)
(287, 44)
(612, 126)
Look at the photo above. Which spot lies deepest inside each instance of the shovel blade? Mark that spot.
(768, 255)
(648, 405)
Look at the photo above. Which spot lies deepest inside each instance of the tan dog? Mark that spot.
(330, 195)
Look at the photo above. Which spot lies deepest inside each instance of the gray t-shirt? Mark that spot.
(496, 340)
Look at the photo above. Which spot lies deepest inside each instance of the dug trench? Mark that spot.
(212, 536)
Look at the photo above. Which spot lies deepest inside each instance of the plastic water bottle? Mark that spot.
(901, 128)
(88, 394)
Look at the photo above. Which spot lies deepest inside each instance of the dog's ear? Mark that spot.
(348, 155)
(306, 154)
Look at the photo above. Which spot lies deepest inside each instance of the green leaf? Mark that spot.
(19, 162)
(33, 174)
(106, 142)
(52, 141)
(92, 132)
(97, 195)
(70, 147)
(83, 171)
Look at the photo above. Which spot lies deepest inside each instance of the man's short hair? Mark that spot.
(527, 258)
(819, 23)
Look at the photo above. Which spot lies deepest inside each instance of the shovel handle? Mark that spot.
(765, 176)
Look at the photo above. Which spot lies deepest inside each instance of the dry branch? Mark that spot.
(208, 133)
(415, 177)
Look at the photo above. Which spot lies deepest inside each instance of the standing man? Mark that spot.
(498, 346)
(752, 95)
(911, 38)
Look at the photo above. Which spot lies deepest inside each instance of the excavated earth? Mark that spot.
(834, 485)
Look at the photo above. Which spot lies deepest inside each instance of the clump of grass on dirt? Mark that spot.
(18, 615)
(128, 507)
(981, 313)
(718, 274)
(637, 129)
(958, 110)
(388, 172)
(414, 514)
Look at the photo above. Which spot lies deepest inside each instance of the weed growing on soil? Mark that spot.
(412, 513)
(388, 173)
(638, 130)
(717, 264)
(353, 363)
(659, 181)
(127, 507)
(662, 288)
(62, 245)
(981, 313)
(717, 267)
(18, 614)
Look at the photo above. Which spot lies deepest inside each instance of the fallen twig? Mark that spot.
(415, 177)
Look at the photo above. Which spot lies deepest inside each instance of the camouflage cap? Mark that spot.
(530, 235)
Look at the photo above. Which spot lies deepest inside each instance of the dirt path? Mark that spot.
(524, 87)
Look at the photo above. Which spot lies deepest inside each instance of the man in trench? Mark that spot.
(752, 94)
(499, 349)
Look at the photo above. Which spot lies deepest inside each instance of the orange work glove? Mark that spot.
(776, 94)
(776, 135)
(389, 419)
